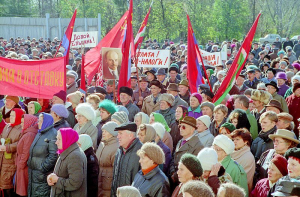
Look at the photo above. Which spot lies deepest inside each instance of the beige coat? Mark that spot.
(106, 156)
(90, 130)
(246, 159)
(149, 106)
(7, 166)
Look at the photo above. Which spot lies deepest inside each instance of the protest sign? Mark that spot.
(36, 79)
(86, 39)
(211, 59)
(153, 58)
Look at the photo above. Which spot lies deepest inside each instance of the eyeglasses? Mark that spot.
(278, 142)
(182, 126)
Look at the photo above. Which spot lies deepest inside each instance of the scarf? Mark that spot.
(69, 137)
(37, 107)
(265, 135)
(160, 118)
(47, 121)
(29, 121)
(146, 171)
(19, 114)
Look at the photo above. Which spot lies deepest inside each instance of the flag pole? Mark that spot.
(137, 71)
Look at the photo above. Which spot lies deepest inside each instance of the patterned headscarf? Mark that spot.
(29, 121)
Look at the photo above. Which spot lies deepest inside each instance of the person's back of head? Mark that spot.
(128, 191)
(230, 190)
(196, 188)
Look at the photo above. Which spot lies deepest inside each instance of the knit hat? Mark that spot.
(225, 143)
(161, 119)
(69, 137)
(205, 119)
(85, 141)
(109, 106)
(120, 116)
(37, 106)
(197, 188)
(207, 157)
(62, 95)
(296, 66)
(86, 110)
(123, 109)
(75, 97)
(126, 90)
(110, 128)
(160, 129)
(208, 104)
(60, 110)
(192, 164)
(13, 98)
(281, 75)
(296, 77)
(281, 164)
(169, 98)
(228, 126)
(150, 133)
(144, 117)
(153, 151)
(197, 96)
(293, 152)
(281, 52)
(222, 72)
(128, 191)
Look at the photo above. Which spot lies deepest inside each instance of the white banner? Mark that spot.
(211, 59)
(154, 58)
(84, 39)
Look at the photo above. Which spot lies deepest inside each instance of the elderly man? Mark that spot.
(189, 143)
(173, 90)
(144, 91)
(111, 68)
(272, 88)
(126, 163)
(252, 80)
(161, 76)
(183, 88)
(71, 81)
(125, 98)
(240, 83)
(151, 102)
(11, 102)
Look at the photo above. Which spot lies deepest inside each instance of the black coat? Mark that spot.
(41, 162)
(62, 123)
(153, 184)
(92, 172)
(71, 118)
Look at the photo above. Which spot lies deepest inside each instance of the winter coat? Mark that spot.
(253, 124)
(252, 84)
(167, 140)
(126, 165)
(153, 184)
(71, 118)
(262, 143)
(133, 110)
(293, 103)
(292, 58)
(179, 101)
(186, 97)
(62, 123)
(194, 113)
(169, 115)
(283, 89)
(7, 166)
(90, 130)
(99, 127)
(175, 133)
(72, 88)
(92, 172)
(282, 102)
(236, 171)
(149, 106)
(41, 162)
(212, 127)
(106, 156)
(135, 97)
(168, 156)
(245, 158)
(262, 188)
(206, 138)
(71, 168)
(22, 157)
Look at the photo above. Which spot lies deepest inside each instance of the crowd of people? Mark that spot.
(156, 138)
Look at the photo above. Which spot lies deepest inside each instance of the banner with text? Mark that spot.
(37, 79)
(85, 39)
(154, 58)
(211, 59)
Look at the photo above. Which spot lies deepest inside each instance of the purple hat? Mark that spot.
(281, 75)
(184, 66)
(296, 65)
(60, 110)
(62, 95)
(232, 46)
(198, 96)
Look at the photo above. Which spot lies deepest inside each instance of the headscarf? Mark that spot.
(47, 121)
(19, 114)
(184, 111)
(37, 106)
(160, 118)
(85, 141)
(69, 137)
(29, 121)
(144, 117)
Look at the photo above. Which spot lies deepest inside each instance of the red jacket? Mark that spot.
(261, 189)
(293, 104)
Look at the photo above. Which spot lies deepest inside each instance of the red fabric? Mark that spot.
(139, 40)
(82, 78)
(293, 103)
(146, 171)
(29, 121)
(261, 189)
(69, 137)
(19, 114)
(36, 79)
(281, 164)
(2, 125)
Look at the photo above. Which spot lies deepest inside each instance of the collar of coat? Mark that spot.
(71, 148)
(150, 174)
(192, 142)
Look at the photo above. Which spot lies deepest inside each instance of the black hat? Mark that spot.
(126, 90)
(143, 79)
(229, 62)
(287, 188)
(173, 68)
(130, 126)
(241, 75)
(268, 57)
(207, 93)
(96, 89)
(292, 152)
(204, 86)
(156, 83)
(274, 84)
(151, 71)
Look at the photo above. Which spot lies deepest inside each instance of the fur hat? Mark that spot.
(109, 106)
(169, 98)
(72, 73)
(110, 127)
(225, 143)
(120, 116)
(197, 188)
(261, 95)
(86, 110)
(153, 151)
(207, 157)
(126, 90)
(205, 119)
(160, 129)
(75, 97)
(192, 164)
(13, 98)
(60, 110)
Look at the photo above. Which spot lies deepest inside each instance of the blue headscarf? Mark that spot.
(48, 121)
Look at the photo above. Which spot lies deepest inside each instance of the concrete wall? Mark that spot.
(45, 27)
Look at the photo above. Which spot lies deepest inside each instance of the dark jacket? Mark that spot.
(186, 98)
(154, 184)
(71, 168)
(252, 84)
(41, 162)
(175, 133)
(92, 172)
(126, 166)
(62, 123)
(71, 118)
(169, 115)
(132, 109)
(168, 156)
(213, 130)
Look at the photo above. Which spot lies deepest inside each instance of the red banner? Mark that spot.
(37, 79)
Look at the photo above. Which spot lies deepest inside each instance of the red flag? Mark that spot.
(82, 77)
(93, 58)
(237, 65)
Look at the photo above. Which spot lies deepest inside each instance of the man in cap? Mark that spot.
(151, 102)
(272, 88)
(183, 88)
(77, 64)
(125, 98)
(10, 103)
(111, 68)
(251, 59)
(240, 83)
(144, 91)
(173, 90)
(255, 51)
(126, 163)
(173, 72)
(133, 82)
(252, 81)
(71, 78)
(161, 76)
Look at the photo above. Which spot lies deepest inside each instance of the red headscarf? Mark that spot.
(29, 121)
(69, 137)
(19, 114)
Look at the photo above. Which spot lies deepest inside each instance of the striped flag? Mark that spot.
(237, 65)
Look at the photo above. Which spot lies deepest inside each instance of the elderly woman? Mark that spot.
(42, 157)
(150, 180)
(94, 101)
(8, 151)
(107, 109)
(189, 168)
(293, 103)
(242, 154)
(141, 118)
(120, 117)
(239, 119)
(69, 175)
(195, 101)
(106, 155)
(34, 108)
(146, 133)
(85, 115)
(207, 108)
(220, 113)
(205, 137)
(294, 80)
(29, 131)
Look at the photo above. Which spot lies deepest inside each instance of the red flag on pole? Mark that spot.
(82, 77)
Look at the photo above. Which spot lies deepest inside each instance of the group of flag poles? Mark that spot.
(123, 30)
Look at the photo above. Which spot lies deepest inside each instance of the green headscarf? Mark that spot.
(37, 107)
(211, 71)
(160, 118)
